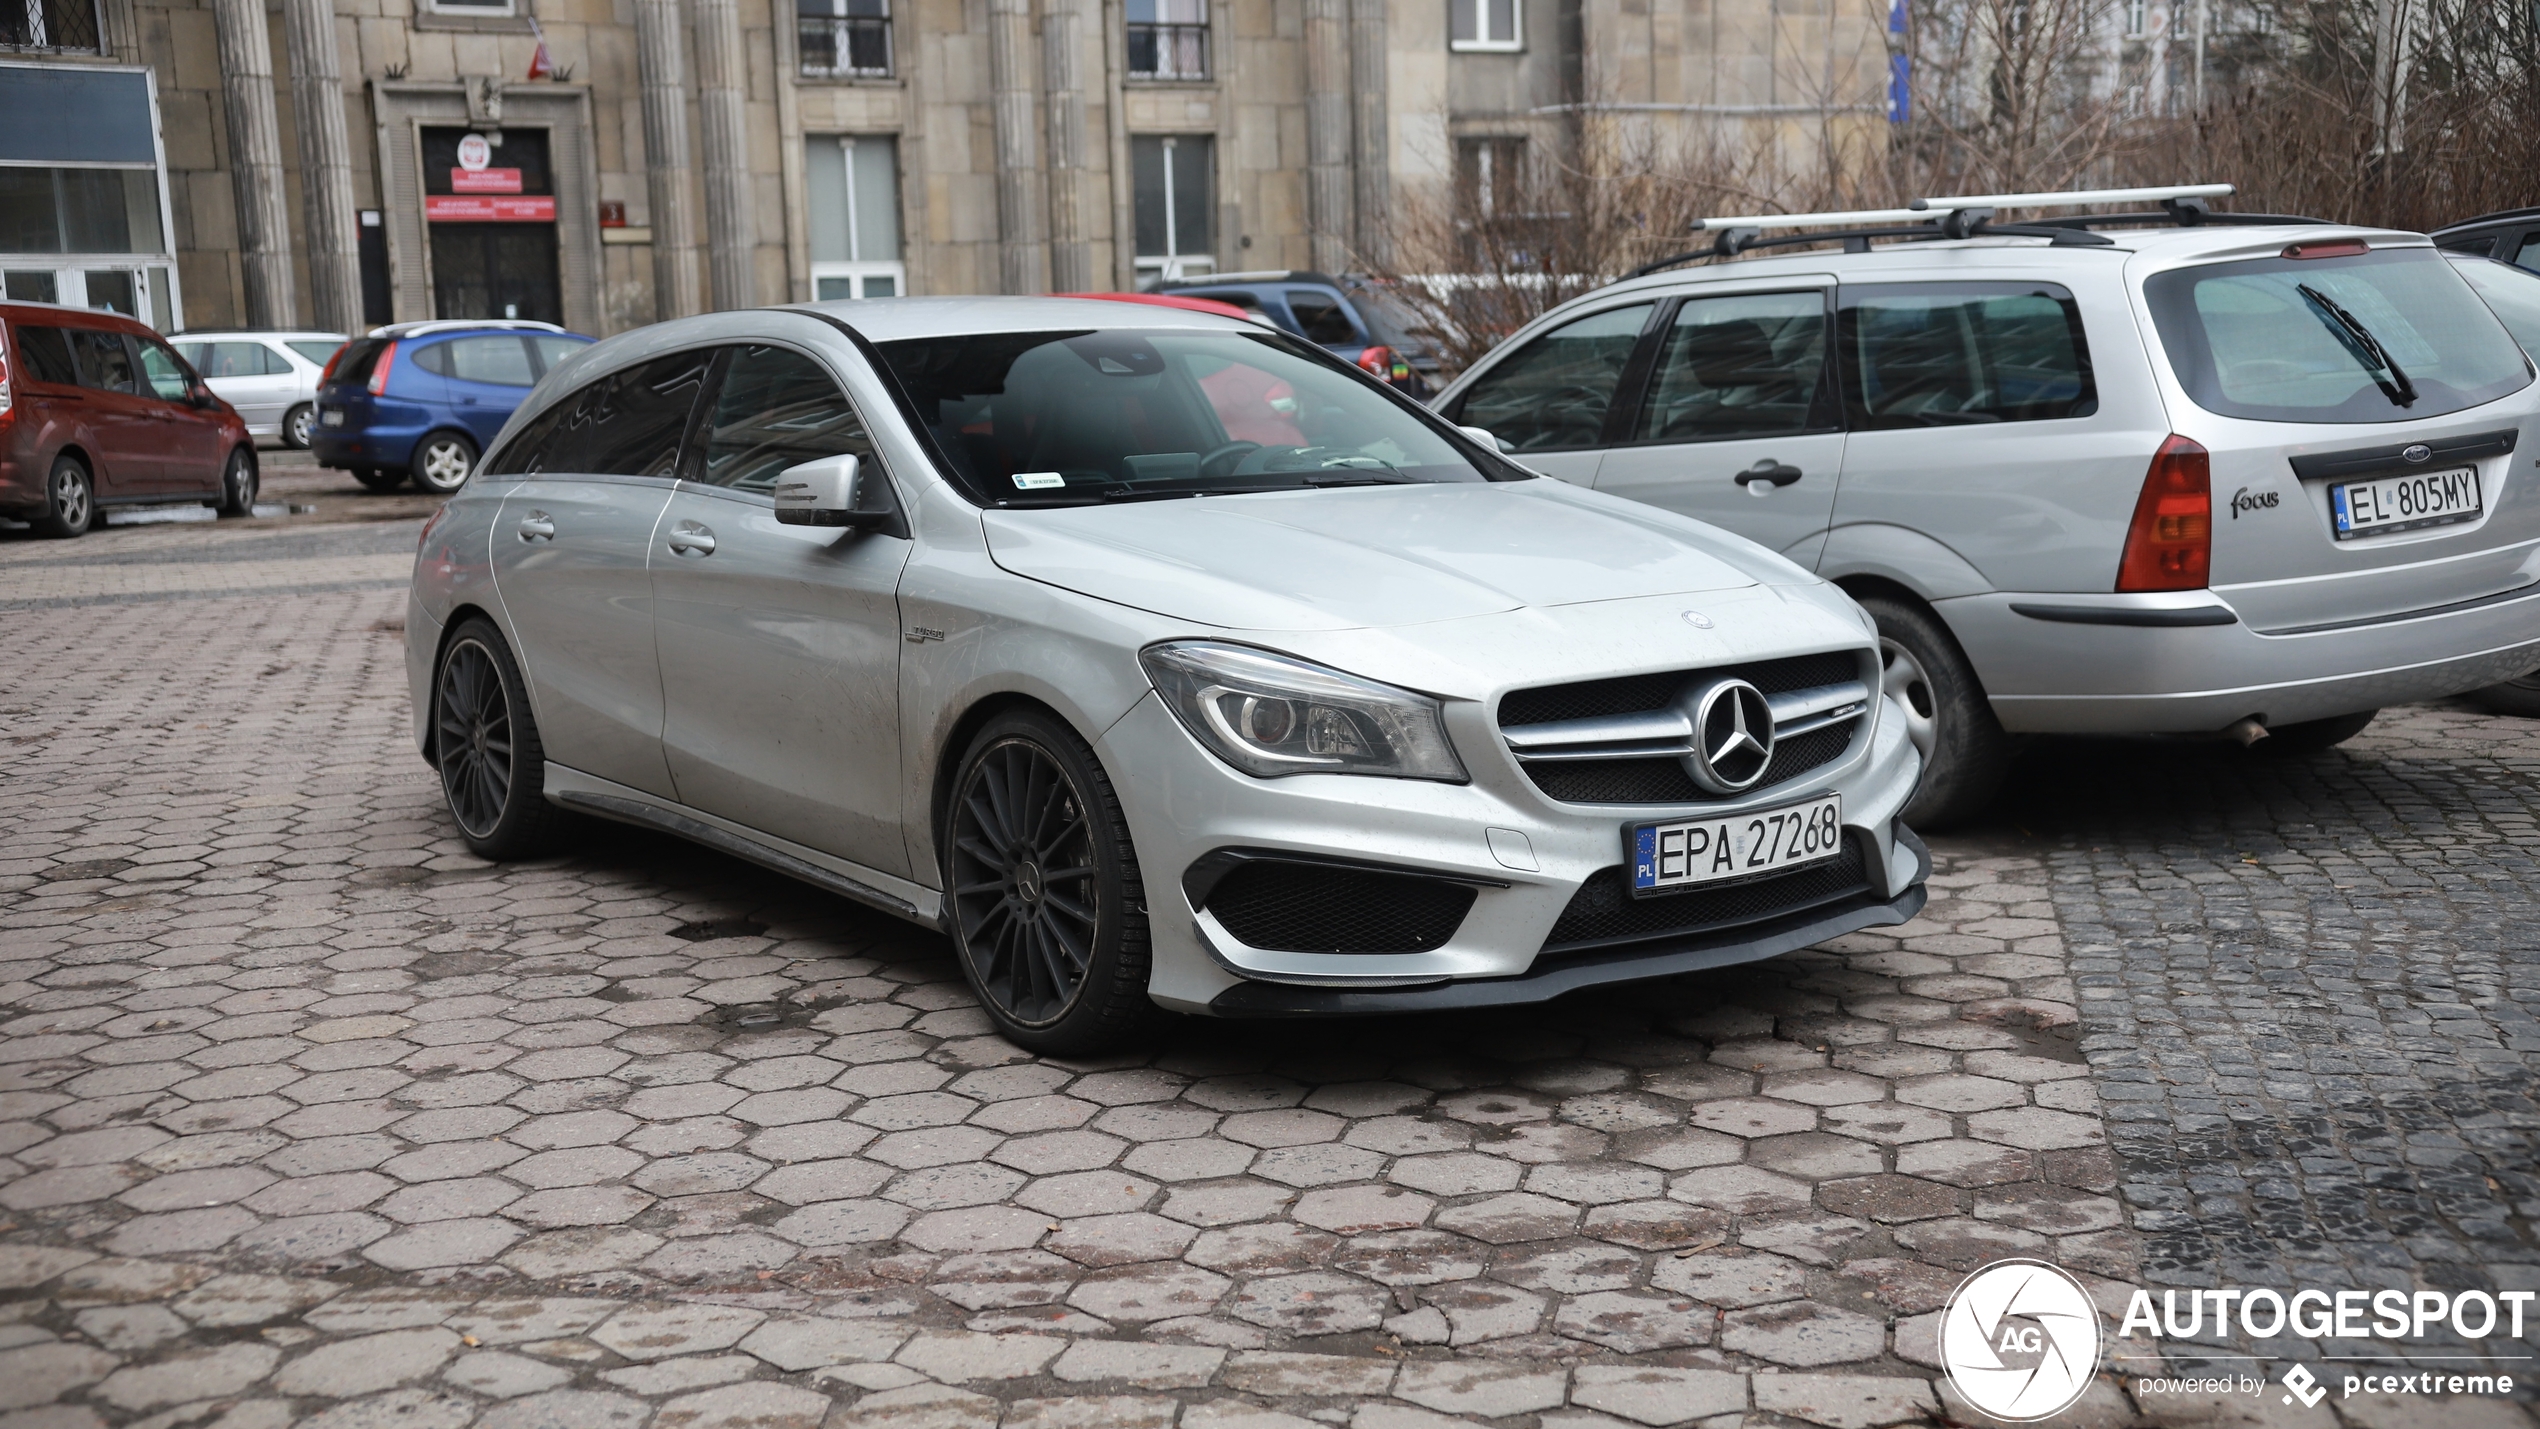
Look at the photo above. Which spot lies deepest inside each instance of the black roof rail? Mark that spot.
(2499, 215)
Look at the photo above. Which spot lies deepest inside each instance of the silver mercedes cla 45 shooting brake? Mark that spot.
(1156, 659)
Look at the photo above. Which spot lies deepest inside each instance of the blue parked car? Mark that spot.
(1351, 317)
(422, 399)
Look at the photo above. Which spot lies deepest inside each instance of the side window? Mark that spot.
(2528, 255)
(104, 362)
(168, 377)
(317, 350)
(498, 361)
(777, 408)
(625, 424)
(1938, 355)
(46, 351)
(1320, 317)
(1744, 366)
(273, 364)
(1552, 394)
(554, 350)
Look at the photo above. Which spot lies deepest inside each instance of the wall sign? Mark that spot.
(456, 208)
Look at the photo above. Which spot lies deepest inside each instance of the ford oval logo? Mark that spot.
(2420, 452)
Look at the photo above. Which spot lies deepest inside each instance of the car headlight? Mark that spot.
(1270, 715)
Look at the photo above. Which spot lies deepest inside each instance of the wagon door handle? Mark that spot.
(691, 538)
(537, 526)
(1769, 470)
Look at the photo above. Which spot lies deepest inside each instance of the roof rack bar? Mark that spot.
(2076, 197)
(1817, 220)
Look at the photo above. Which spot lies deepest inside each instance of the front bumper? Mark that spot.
(1184, 805)
(2078, 673)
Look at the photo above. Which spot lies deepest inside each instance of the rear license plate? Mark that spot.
(331, 417)
(1688, 853)
(2390, 504)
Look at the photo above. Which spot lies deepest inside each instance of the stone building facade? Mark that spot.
(606, 163)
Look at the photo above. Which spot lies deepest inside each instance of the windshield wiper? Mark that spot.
(2361, 345)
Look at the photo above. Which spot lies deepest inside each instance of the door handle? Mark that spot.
(1769, 470)
(537, 526)
(691, 538)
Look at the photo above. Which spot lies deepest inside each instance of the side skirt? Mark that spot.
(897, 896)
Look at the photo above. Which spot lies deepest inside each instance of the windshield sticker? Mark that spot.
(1038, 480)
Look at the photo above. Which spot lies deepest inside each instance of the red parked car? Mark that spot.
(97, 410)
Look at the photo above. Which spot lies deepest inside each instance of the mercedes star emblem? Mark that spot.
(1732, 737)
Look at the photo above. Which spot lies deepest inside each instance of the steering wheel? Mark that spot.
(1234, 449)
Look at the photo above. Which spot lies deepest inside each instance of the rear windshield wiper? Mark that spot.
(2359, 343)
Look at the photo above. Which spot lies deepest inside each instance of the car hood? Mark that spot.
(1375, 556)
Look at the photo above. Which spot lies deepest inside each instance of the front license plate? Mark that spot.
(1686, 854)
(2405, 503)
(331, 417)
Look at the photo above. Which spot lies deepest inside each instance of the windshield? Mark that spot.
(2512, 293)
(2388, 336)
(1064, 418)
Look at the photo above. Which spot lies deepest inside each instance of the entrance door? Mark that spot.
(496, 270)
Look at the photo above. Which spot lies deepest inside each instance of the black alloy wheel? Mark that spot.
(239, 483)
(485, 740)
(70, 501)
(2517, 696)
(1046, 908)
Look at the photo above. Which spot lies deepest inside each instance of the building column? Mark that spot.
(1327, 116)
(326, 165)
(722, 86)
(1373, 170)
(1062, 76)
(661, 55)
(255, 162)
(1021, 253)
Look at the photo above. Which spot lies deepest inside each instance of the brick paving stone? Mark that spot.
(304, 1042)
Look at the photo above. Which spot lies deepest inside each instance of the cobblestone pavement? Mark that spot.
(2309, 987)
(305, 1114)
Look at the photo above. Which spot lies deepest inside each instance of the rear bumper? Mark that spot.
(2066, 675)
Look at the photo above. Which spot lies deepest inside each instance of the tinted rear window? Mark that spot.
(628, 423)
(1960, 354)
(360, 356)
(47, 355)
(2314, 339)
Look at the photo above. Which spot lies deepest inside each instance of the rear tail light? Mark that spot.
(328, 375)
(379, 370)
(7, 402)
(2170, 545)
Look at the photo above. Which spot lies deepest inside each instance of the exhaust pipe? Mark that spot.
(2248, 731)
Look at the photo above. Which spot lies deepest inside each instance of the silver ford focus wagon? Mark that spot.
(2189, 475)
(1157, 659)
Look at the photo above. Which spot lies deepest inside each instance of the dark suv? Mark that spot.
(422, 399)
(1349, 316)
(2512, 236)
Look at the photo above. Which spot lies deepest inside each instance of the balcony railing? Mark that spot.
(48, 24)
(858, 45)
(1168, 51)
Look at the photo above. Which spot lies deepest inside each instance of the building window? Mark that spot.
(474, 7)
(854, 190)
(1171, 182)
(79, 211)
(2137, 15)
(845, 38)
(1490, 176)
(1484, 25)
(49, 25)
(1168, 39)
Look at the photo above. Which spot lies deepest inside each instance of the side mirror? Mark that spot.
(199, 394)
(1483, 435)
(833, 491)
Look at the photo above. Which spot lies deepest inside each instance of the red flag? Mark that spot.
(540, 66)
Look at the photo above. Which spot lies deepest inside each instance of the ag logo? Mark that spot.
(2020, 1340)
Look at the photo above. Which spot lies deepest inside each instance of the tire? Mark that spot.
(297, 426)
(2316, 736)
(70, 501)
(441, 462)
(485, 741)
(2517, 696)
(1965, 752)
(239, 483)
(380, 481)
(1060, 961)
